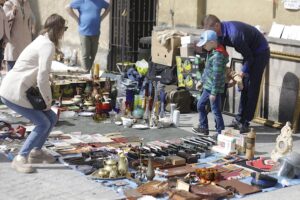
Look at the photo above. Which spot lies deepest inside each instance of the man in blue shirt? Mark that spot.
(254, 48)
(89, 20)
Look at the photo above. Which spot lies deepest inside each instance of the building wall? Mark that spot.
(43, 8)
(188, 13)
(255, 12)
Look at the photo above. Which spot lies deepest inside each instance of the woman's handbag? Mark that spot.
(35, 98)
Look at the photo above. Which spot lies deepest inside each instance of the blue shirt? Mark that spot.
(245, 39)
(89, 15)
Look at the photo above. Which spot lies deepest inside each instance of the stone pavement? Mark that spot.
(56, 182)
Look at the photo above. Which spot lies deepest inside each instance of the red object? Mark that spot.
(106, 107)
(98, 107)
(261, 163)
(21, 130)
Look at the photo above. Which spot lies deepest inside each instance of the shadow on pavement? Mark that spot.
(64, 123)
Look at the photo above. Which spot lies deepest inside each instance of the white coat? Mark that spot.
(31, 69)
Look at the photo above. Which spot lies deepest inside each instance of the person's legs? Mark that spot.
(94, 48)
(201, 105)
(256, 73)
(243, 102)
(86, 52)
(10, 65)
(52, 117)
(216, 110)
(39, 134)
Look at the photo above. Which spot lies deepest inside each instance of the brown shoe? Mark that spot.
(40, 156)
(20, 164)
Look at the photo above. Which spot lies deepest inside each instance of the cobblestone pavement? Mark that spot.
(51, 182)
(56, 182)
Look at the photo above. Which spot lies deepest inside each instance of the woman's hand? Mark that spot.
(14, 10)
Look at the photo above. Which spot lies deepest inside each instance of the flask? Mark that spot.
(96, 71)
(250, 144)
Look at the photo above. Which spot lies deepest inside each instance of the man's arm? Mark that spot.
(105, 13)
(71, 12)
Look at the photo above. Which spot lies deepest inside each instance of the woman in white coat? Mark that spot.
(22, 26)
(33, 69)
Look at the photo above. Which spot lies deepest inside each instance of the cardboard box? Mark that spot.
(164, 55)
(187, 51)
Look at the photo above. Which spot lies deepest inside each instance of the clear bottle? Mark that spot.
(73, 59)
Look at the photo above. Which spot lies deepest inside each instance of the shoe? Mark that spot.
(234, 124)
(201, 131)
(243, 128)
(40, 156)
(215, 137)
(20, 164)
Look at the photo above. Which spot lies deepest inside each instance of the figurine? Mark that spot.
(284, 143)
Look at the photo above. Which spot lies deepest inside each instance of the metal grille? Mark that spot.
(131, 20)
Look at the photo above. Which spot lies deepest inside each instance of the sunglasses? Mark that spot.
(66, 28)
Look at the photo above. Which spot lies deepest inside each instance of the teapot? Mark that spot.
(114, 172)
(103, 173)
(109, 164)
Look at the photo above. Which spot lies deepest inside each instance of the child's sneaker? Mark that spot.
(201, 131)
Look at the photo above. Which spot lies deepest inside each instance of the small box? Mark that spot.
(239, 139)
(187, 51)
(182, 186)
(176, 160)
(191, 39)
(164, 55)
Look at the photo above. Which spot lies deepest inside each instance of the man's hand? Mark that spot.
(212, 98)
(243, 74)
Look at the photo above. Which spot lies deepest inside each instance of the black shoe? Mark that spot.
(234, 124)
(201, 131)
(243, 128)
(215, 137)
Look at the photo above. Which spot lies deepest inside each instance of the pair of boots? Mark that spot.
(22, 164)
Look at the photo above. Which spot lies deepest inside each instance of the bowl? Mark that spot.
(127, 122)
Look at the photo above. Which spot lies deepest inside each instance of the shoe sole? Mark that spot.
(29, 171)
(39, 161)
(201, 134)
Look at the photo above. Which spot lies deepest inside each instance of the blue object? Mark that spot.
(44, 121)
(215, 107)
(207, 36)
(133, 75)
(89, 15)
(245, 39)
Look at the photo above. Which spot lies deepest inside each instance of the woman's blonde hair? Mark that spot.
(54, 26)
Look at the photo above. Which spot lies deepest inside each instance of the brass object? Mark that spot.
(109, 164)
(103, 173)
(113, 172)
(122, 164)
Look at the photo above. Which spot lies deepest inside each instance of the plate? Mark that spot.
(67, 102)
(140, 126)
(86, 114)
(95, 176)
